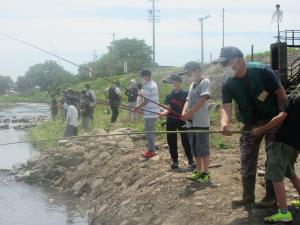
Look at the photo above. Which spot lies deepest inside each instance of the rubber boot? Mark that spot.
(248, 192)
(269, 200)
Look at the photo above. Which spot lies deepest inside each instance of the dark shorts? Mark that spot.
(281, 162)
(199, 143)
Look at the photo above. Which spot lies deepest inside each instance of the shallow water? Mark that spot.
(23, 204)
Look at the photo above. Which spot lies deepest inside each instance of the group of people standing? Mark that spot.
(263, 107)
(76, 106)
(113, 94)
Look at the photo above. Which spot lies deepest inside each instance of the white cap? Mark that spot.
(133, 81)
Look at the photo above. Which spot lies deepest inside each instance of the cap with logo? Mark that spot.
(173, 77)
(228, 53)
(190, 66)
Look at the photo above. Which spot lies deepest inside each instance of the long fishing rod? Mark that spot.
(119, 105)
(77, 65)
(125, 134)
(38, 48)
(139, 110)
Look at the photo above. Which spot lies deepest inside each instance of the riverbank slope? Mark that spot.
(122, 188)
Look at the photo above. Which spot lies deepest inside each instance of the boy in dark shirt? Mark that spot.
(54, 107)
(283, 155)
(175, 101)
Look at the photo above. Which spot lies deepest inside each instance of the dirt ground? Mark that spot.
(122, 188)
(187, 202)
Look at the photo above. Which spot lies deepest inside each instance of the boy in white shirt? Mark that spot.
(71, 119)
(150, 93)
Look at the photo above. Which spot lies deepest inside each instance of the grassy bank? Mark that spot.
(35, 97)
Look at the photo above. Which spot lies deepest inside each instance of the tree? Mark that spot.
(49, 76)
(135, 52)
(5, 83)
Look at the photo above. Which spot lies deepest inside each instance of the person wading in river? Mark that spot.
(258, 93)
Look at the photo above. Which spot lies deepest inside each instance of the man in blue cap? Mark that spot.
(258, 94)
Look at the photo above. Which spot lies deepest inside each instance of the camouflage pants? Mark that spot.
(249, 149)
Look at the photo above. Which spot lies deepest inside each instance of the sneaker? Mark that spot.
(196, 175)
(191, 165)
(174, 165)
(205, 178)
(296, 203)
(148, 154)
(279, 217)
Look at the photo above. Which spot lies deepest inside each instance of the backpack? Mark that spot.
(112, 95)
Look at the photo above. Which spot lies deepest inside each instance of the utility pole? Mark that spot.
(95, 56)
(202, 46)
(113, 36)
(223, 27)
(153, 18)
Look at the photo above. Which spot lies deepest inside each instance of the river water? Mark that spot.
(24, 204)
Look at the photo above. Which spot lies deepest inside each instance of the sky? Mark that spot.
(74, 29)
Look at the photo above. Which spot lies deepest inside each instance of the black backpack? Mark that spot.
(112, 95)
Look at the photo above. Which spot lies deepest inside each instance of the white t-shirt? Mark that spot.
(72, 116)
(151, 92)
(201, 117)
(140, 98)
(117, 90)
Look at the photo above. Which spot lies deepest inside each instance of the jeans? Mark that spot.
(85, 122)
(71, 131)
(131, 114)
(174, 125)
(115, 111)
(150, 126)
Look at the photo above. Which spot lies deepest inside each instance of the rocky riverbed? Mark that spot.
(121, 188)
(25, 119)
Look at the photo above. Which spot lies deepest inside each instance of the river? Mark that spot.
(24, 204)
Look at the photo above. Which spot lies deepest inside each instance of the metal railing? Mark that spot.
(292, 38)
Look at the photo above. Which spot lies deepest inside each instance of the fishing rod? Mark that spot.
(125, 134)
(77, 65)
(38, 48)
(140, 95)
(139, 110)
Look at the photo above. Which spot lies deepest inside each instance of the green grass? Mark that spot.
(35, 96)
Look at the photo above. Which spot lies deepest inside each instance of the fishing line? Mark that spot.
(36, 47)
(77, 65)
